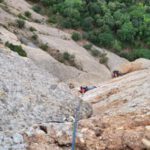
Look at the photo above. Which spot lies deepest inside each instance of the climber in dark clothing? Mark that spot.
(84, 89)
(117, 73)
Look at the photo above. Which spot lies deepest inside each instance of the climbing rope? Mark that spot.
(75, 125)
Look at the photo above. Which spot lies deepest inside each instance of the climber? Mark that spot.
(84, 89)
(116, 73)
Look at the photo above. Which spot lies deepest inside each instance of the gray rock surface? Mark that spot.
(120, 120)
(28, 96)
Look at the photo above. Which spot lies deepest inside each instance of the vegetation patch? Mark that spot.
(37, 9)
(76, 36)
(68, 59)
(88, 46)
(20, 23)
(135, 54)
(95, 52)
(34, 37)
(65, 58)
(32, 29)
(22, 17)
(27, 14)
(103, 59)
(16, 48)
(112, 24)
(44, 46)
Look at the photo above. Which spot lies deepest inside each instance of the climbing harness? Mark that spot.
(75, 125)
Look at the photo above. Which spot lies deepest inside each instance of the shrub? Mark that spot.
(16, 48)
(66, 23)
(68, 57)
(103, 58)
(140, 53)
(37, 21)
(22, 17)
(52, 19)
(95, 52)
(125, 55)
(105, 39)
(27, 14)
(88, 46)
(37, 9)
(135, 54)
(117, 46)
(34, 37)
(44, 46)
(85, 36)
(76, 36)
(32, 29)
(87, 23)
(20, 23)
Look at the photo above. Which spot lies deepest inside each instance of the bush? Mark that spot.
(76, 36)
(85, 36)
(103, 58)
(68, 57)
(117, 46)
(135, 54)
(22, 17)
(27, 14)
(37, 9)
(65, 23)
(105, 39)
(34, 37)
(20, 23)
(88, 46)
(44, 46)
(52, 19)
(16, 48)
(95, 52)
(87, 23)
(140, 53)
(32, 29)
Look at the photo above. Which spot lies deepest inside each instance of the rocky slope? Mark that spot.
(37, 107)
(121, 119)
(29, 95)
(91, 71)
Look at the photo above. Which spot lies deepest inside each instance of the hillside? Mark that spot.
(122, 26)
(41, 70)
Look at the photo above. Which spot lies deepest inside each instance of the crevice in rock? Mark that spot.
(43, 128)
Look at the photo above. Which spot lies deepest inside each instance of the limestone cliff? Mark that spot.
(37, 107)
(28, 96)
(121, 119)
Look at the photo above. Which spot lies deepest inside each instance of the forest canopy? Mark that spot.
(122, 26)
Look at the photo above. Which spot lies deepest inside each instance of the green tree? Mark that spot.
(105, 39)
(127, 32)
(87, 23)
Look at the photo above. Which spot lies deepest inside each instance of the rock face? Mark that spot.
(121, 119)
(138, 64)
(29, 96)
(92, 71)
(37, 108)
(113, 59)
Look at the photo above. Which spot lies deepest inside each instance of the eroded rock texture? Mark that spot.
(121, 119)
(28, 96)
